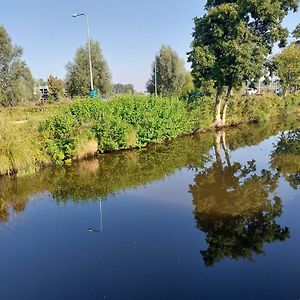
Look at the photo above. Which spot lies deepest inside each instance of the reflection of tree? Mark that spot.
(106, 175)
(114, 172)
(236, 208)
(286, 157)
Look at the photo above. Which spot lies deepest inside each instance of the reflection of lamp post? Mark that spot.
(100, 221)
(92, 91)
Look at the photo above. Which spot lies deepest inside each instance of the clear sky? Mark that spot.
(129, 31)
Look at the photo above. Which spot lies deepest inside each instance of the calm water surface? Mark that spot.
(215, 216)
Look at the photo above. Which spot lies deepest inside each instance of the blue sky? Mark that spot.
(129, 31)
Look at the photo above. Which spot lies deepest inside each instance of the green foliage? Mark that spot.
(296, 33)
(172, 78)
(120, 123)
(287, 65)
(55, 88)
(37, 135)
(78, 73)
(253, 108)
(20, 148)
(16, 82)
(201, 109)
(232, 41)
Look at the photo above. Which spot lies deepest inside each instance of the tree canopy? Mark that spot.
(78, 74)
(16, 82)
(172, 77)
(287, 68)
(56, 88)
(232, 41)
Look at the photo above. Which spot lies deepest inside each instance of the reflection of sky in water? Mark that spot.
(260, 153)
(149, 247)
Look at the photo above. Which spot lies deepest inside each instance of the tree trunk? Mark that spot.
(218, 148)
(226, 106)
(218, 105)
(224, 144)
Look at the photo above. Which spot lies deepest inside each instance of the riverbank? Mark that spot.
(68, 132)
(96, 177)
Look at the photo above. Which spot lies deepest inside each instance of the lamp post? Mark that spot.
(157, 54)
(155, 74)
(92, 91)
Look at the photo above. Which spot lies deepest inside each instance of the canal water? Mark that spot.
(210, 216)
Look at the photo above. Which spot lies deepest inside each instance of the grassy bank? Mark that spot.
(31, 137)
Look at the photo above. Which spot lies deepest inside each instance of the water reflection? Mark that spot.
(236, 207)
(286, 157)
(104, 176)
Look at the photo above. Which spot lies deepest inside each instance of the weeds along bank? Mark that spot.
(21, 145)
(86, 126)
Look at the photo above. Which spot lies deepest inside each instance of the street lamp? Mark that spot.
(93, 93)
(155, 73)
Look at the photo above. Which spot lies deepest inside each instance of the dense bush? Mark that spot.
(121, 123)
(201, 110)
(254, 108)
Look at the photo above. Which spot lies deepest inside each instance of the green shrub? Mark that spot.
(254, 108)
(201, 109)
(120, 123)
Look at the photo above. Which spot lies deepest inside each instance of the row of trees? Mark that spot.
(231, 46)
(17, 83)
(18, 86)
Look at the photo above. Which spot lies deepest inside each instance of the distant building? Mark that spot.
(41, 92)
(44, 92)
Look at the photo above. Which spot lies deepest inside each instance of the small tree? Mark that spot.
(287, 68)
(172, 78)
(16, 82)
(56, 88)
(78, 73)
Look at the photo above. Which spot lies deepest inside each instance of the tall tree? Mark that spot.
(172, 77)
(16, 82)
(231, 42)
(78, 74)
(287, 68)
